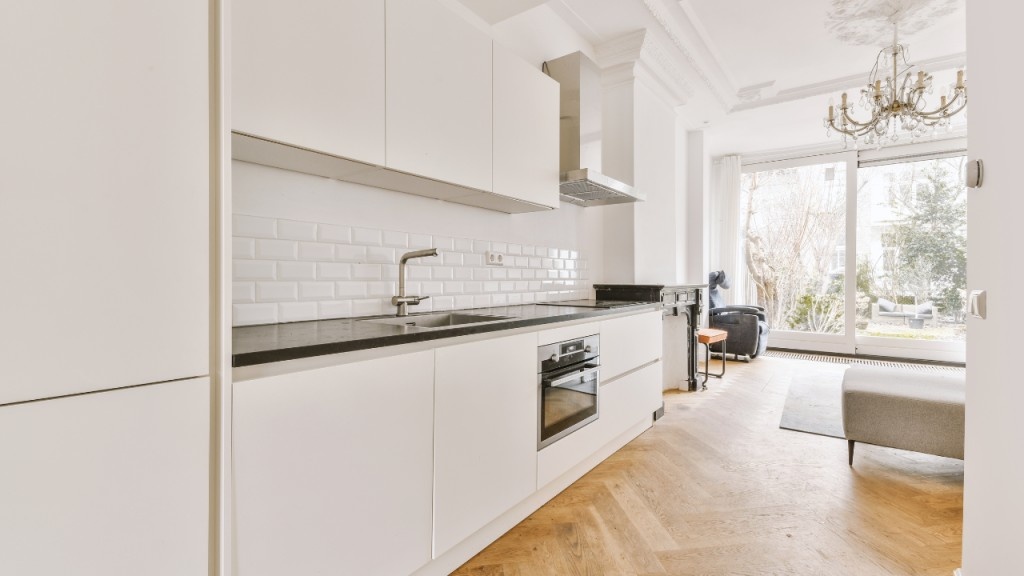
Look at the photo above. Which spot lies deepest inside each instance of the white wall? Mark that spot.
(993, 472)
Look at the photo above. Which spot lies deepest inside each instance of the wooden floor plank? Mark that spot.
(717, 488)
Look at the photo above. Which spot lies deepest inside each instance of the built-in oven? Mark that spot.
(569, 382)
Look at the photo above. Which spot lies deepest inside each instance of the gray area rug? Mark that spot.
(814, 401)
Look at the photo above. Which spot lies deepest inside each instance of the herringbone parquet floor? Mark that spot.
(716, 488)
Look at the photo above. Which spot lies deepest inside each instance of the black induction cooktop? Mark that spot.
(592, 303)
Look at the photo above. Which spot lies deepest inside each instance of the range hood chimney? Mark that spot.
(582, 182)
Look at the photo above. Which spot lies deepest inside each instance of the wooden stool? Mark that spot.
(707, 337)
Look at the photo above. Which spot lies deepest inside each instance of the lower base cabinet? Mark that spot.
(485, 439)
(112, 483)
(333, 469)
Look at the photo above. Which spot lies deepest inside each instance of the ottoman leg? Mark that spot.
(850, 448)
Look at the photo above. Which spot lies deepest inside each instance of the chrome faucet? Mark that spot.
(403, 301)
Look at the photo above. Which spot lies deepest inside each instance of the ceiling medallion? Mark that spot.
(895, 105)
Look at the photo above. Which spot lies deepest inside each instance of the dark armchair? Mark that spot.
(747, 325)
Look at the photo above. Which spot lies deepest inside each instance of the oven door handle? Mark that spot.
(586, 371)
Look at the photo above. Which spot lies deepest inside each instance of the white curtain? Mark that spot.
(724, 237)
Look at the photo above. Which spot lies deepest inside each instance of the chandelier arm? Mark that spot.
(855, 131)
(940, 113)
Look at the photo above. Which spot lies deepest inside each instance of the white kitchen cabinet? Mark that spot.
(526, 109)
(104, 195)
(310, 74)
(485, 436)
(111, 483)
(333, 469)
(629, 342)
(438, 100)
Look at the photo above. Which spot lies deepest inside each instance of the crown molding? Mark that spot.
(699, 55)
(639, 55)
(949, 62)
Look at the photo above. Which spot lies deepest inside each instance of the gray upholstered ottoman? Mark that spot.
(906, 409)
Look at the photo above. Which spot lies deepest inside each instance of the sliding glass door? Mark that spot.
(907, 220)
(912, 259)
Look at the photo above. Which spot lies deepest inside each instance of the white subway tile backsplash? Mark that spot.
(249, 314)
(334, 308)
(316, 290)
(431, 288)
(380, 255)
(346, 290)
(253, 226)
(297, 311)
(444, 243)
(366, 271)
(381, 289)
(286, 270)
(367, 236)
(243, 292)
(346, 253)
(291, 230)
(420, 241)
(336, 234)
(417, 272)
(296, 270)
(276, 291)
(396, 239)
(367, 307)
(316, 251)
(277, 249)
(243, 248)
(253, 270)
(333, 271)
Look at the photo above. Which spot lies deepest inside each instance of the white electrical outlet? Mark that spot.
(494, 259)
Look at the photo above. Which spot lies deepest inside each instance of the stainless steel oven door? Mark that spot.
(568, 401)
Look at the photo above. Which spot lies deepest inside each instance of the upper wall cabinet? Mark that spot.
(311, 74)
(396, 94)
(438, 94)
(525, 131)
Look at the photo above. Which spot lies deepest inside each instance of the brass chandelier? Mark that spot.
(895, 105)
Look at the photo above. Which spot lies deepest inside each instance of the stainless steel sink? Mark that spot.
(438, 321)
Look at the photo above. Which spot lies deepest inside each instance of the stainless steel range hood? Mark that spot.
(582, 182)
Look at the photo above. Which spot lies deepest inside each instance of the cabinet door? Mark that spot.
(438, 94)
(310, 74)
(525, 131)
(333, 469)
(107, 484)
(104, 195)
(629, 342)
(485, 437)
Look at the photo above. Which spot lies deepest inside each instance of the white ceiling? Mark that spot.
(750, 58)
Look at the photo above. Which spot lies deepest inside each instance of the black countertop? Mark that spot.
(267, 343)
